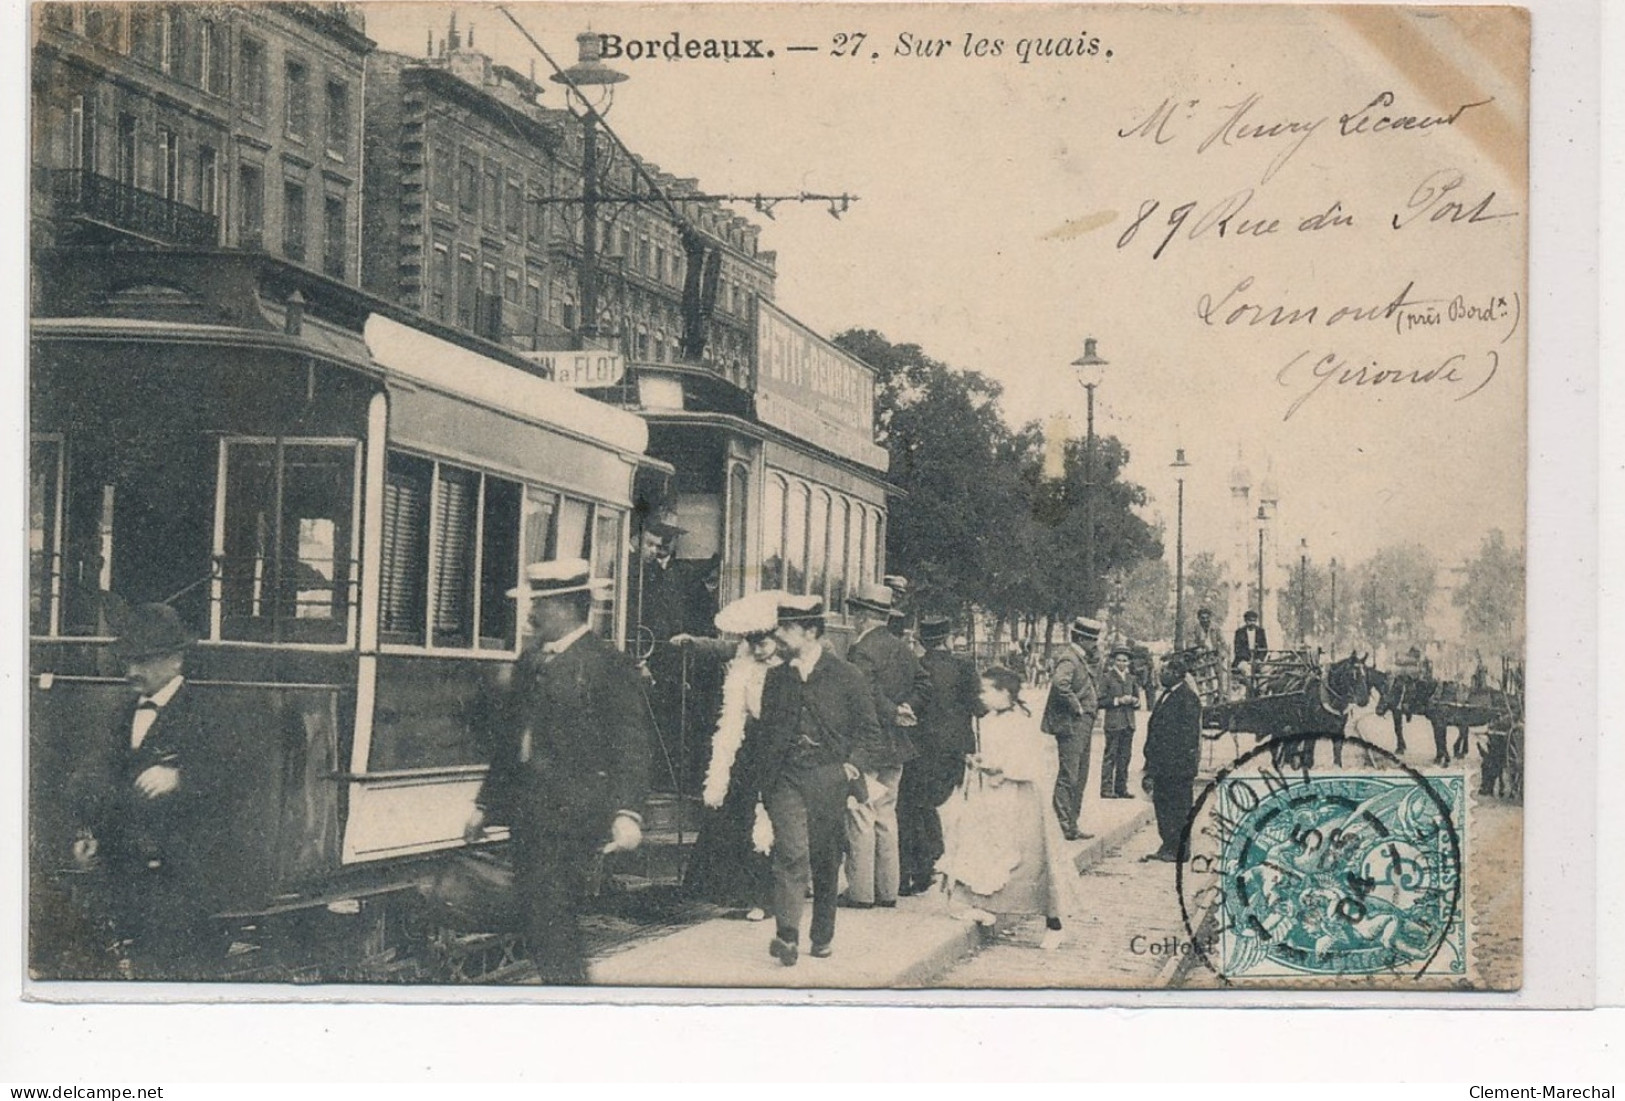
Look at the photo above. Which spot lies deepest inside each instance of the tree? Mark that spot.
(1147, 601)
(1392, 592)
(1206, 586)
(1491, 597)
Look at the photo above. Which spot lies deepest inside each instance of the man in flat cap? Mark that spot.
(1250, 647)
(570, 770)
(1069, 715)
(942, 740)
(1209, 636)
(816, 709)
(149, 806)
(898, 685)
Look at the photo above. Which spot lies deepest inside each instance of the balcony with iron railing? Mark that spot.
(101, 200)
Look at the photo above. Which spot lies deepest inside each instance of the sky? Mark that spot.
(995, 195)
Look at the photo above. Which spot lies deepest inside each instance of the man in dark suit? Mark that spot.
(1069, 715)
(572, 769)
(149, 807)
(669, 599)
(1120, 697)
(1251, 645)
(942, 740)
(816, 709)
(898, 684)
(1173, 753)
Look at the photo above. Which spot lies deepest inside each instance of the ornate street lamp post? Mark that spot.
(1181, 465)
(589, 72)
(1089, 373)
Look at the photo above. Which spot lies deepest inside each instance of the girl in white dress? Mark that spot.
(1004, 853)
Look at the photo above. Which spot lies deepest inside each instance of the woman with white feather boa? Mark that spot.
(730, 864)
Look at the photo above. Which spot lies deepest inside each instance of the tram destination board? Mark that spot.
(1123, 408)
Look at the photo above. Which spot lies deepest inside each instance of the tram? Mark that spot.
(336, 496)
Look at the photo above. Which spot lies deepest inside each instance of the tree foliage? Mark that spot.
(1491, 597)
(980, 525)
(1392, 592)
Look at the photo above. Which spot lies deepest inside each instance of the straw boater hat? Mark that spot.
(560, 578)
(872, 598)
(799, 609)
(756, 614)
(1085, 629)
(150, 631)
(935, 628)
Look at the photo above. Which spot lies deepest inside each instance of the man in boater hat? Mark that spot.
(815, 709)
(898, 684)
(1069, 715)
(571, 769)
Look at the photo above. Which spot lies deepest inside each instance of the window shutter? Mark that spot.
(454, 558)
(406, 546)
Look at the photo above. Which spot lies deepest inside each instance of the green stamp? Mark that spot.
(1341, 874)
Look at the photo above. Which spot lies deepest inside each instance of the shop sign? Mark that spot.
(810, 388)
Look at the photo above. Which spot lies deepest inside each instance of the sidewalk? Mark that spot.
(911, 946)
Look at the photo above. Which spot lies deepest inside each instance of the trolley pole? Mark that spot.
(1179, 464)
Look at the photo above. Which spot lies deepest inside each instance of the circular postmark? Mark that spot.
(1335, 874)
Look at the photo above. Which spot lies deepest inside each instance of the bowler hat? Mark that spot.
(151, 630)
(871, 598)
(1250, 617)
(664, 524)
(935, 628)
(559, 578)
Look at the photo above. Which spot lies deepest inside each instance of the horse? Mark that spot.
(1306, 700)
(1402, 695)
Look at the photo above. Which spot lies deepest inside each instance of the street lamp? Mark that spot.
(1334, 607)
(589, 72)
(1303, 587)
(1263, 519)
(1089, 365)
(1181, 465)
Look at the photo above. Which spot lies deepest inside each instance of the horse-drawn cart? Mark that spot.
(1289, 696)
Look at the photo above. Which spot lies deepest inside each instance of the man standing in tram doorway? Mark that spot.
(572, 768)
(149, 807)
(669, 599)
(1069, 715)
(899, 685)
(816, 710)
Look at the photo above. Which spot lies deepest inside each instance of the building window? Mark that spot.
(510, 287)
(60, 16)
(338, 118)
(146, 34)
(533, 297)
(208, 180)
(440, 282)
(293, 220)
(296, 80)
(82, 137)
(251, 66)
(660, 263)
(773, 534)
(44, 534)
(514, 209)
(335, 251)
(214, 74)
(467, 290)
(103, 25)
(126, 150)
(169, 164)
(251, 206)
(493, 198)
(288, 560)
(443, 176)
(468, 188)
(857, 548)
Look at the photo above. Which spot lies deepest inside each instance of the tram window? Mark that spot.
(795, 539)
(606, 563)
(572, 529)
(840, 534)
(44, 533)
(404, 576)
(453, 539)
(818, 543)
(773, 535)
(738, 531)
(499, 564)
(287, 565)
(540, 508)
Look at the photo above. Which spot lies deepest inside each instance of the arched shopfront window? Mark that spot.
(879, 545)
(818, 545)
(858, 549)
(738, 532)
(773, 534)
(795, 538)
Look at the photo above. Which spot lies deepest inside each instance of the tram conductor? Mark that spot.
(570, 768)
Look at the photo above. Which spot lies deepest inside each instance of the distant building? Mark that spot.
(201, 126)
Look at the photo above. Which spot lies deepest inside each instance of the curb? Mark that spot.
(1095, 849)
